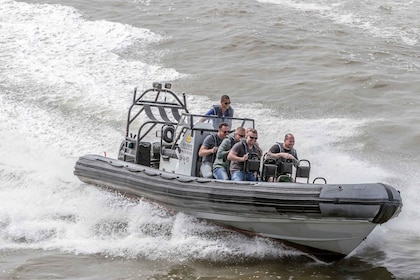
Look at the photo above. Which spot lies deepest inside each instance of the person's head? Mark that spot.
(239, 133)
(289, 141)
(251, 136)
(248, 130)
(225, 101)
(223, 130)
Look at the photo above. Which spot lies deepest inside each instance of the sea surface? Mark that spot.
(342, 75)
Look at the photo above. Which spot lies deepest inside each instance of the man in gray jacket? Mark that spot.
(221, 164)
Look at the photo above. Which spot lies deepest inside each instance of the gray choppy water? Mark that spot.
(342, 76)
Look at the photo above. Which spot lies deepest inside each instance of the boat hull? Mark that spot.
(330, 220)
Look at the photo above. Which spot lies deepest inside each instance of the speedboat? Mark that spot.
(158, 160)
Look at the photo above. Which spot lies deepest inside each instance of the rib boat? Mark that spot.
(158, 160)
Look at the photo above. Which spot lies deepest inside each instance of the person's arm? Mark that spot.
(288, 156)
(211, 112)
(223, 149)
(205, 149)
(281, 155)
(275, 153)
(272, 152)
(233, 155)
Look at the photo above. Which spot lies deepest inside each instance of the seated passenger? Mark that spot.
(260, 151)
(209, 148)
(221, 164)
(283, 153)
(221, 111)
(239, 155)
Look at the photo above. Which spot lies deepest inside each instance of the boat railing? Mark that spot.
(161, 114)
(210, 123)
(158, 105)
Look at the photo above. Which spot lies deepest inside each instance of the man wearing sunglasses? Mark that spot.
(242, 152)
(221, 164)
(222, 111)
(209, 149)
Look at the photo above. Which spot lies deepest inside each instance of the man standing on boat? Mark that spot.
(209, 149)
(240, 153)
(221, 164)
(221, 112)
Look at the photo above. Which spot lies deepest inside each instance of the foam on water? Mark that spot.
(60, 59)
(48, 208)
(62, 94)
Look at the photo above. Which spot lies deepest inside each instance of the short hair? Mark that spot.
(287, 136)
(252, 130)
(224, 97)
(240, 128)
(222, 125)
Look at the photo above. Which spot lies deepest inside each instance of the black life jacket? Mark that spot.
(232, 140)
(285, 166)
(283, 150)
(253, 162)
